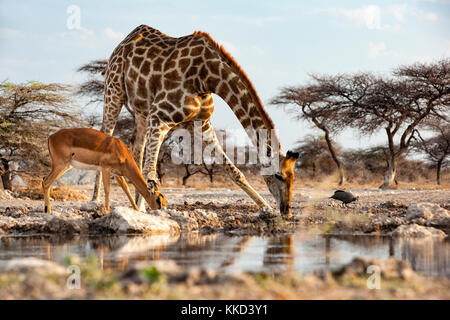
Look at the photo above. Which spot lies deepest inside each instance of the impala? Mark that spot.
(89, 149)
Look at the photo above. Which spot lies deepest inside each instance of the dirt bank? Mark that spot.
(226, 210)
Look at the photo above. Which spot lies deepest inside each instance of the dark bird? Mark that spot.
(344, 196)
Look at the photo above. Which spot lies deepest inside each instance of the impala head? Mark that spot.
(280, 183)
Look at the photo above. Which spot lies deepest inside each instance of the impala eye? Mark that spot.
(279, 177)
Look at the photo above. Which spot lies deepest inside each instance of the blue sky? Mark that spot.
(277, 43)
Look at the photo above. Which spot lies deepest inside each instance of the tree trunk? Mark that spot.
(314, 169)
(392, 164)
(390, 176)
(210, 173)
(6, 175)
(335, 158)
(187, 174)
(97, 186)
(438, 171)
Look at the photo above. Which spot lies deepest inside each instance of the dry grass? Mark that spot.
(321, 182)
(34, 191)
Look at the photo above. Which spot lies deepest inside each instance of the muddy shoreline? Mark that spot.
(230, 211)
(422, 215)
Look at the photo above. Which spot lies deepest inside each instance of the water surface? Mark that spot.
(301, 251)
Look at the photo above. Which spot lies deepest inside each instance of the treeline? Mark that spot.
(412, 99)
(410, 106)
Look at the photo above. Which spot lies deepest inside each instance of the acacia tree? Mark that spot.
(29, 112)
(437, 148)
(316, 103)
(400, 105)
(310, 149)
(396, 105)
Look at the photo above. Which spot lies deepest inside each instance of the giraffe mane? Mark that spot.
(237, 68)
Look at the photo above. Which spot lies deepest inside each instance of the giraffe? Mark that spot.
(168, 82)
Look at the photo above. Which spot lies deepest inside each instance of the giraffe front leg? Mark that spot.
(156, 132)
(139, 146)
(113, 103)
(235, 174)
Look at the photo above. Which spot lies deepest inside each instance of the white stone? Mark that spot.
(126, 220)
(416, 231)
(31, 264)
(18, 181)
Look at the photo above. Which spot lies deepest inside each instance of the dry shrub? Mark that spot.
(67, 193)
(34, 191)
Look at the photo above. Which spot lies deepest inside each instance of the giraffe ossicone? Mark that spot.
(168, 82)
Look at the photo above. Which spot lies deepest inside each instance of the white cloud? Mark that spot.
(369, 16)
(8, 33)
(372, 17)
(255, 21)
(229, 47)
(428, 16)
(109, 33)
(377, 49)
(83, 38)
(399, 11)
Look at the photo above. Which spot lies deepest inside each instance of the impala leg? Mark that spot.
(236, 175)
(122, 182)
(55, 173)
(106, 173)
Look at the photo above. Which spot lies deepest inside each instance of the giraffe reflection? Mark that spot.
(280, 252)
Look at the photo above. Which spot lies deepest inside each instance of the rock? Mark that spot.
(77, 177)
(389, 268)
(62, 226)
(186, 223)
(416, 231)
(183, 218)
(126, 220)
(6, 195)
(31, 264)
(134, 274)
(428, 214)
(17, 181)
(89, 206)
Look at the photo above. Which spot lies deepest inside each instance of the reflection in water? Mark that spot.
(279, 252)
(302, 252)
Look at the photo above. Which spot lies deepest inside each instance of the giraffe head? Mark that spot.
(159, 198)
(280, 183)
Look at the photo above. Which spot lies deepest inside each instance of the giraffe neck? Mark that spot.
(229, 81)
(250, 114)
